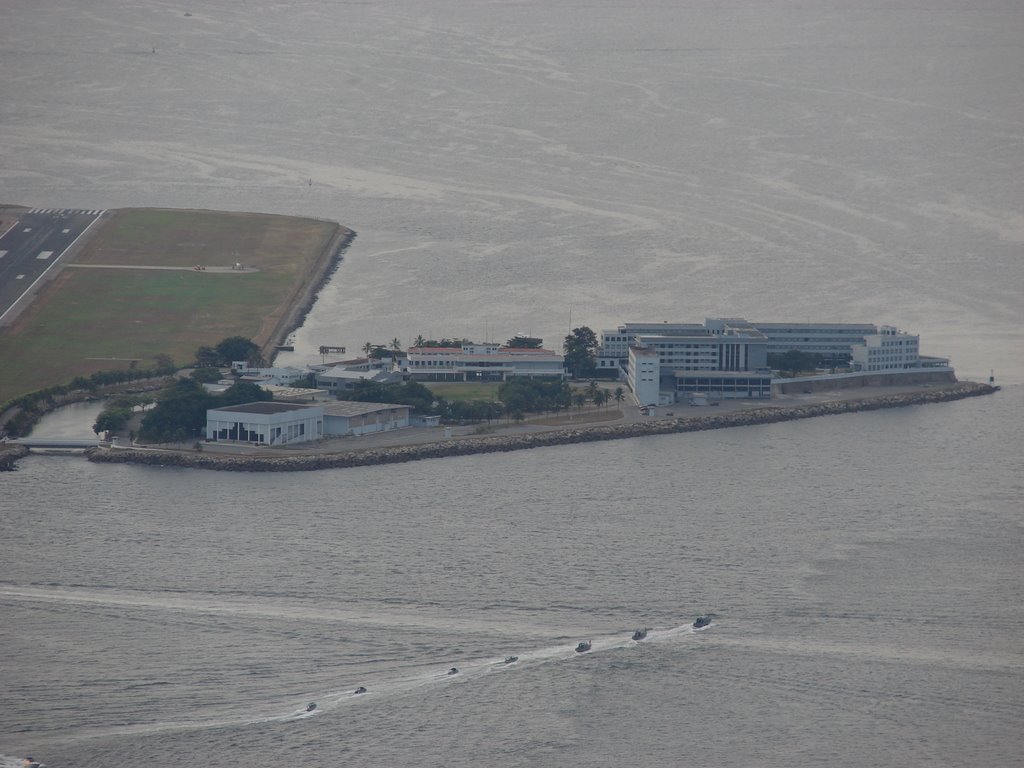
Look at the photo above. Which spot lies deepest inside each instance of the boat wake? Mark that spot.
(422, 677)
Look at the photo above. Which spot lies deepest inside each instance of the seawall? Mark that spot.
(305, 296)
(499, 444)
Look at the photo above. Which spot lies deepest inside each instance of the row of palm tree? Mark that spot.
(395, 346)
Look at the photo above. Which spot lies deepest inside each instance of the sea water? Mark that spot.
(517, 167)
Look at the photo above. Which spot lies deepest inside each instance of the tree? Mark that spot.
(243, 392)
(410, 393)
(112, 419)
(592, 390)
(580, 349)
(206, 375)
(419, 341)
(619, 394)
(524, 342)
(164, 362)
(794, 361)
(601, 397)
(181, 408)
(180, 412)
(207, 357)
(579, 400)
(368, 349)
(396, 347)
(238, 348)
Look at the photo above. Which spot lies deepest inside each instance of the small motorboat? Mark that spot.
(510, 660)
(640, 634)
(359, 690)
(702, 621)
(583, 647)
(311, 706)
(453, 671)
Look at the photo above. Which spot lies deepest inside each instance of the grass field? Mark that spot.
(87, 320)
(464, 391)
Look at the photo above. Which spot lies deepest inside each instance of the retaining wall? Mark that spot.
(474, 445)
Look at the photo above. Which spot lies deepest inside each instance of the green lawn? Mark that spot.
(469, 390)
(88, 320)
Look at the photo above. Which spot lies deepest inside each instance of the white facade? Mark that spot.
(338, 379)
(266, 422)
(274, 423)
(722, 385)
(614, 350)
(891, 349)
(831, 340)
(733, 350)
(644, 375)
(488, 362)
(275, 376)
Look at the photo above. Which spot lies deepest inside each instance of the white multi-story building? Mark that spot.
(481, 362)
(730, 363)
(644, 375)
(833, 341)
(731, 349)
(614, 350)
(890, 349)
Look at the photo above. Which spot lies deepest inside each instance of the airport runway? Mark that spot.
(30, 248)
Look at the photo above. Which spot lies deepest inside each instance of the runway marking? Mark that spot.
(65, 231)
(27, 229)
(32, 285)
(45, 255)
(2, 254)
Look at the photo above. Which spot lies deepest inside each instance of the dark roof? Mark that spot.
(263, 406)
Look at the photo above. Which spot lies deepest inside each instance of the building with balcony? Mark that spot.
(481, 362)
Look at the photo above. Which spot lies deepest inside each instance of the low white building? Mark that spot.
(337, 379)
(266, 422)
(280, 377)
(481, 362)
(891, 349)
(350, 418)
(273, 423)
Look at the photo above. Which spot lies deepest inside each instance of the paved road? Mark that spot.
(32, 246)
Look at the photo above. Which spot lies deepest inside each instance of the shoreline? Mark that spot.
(504, 443)
(301, 302)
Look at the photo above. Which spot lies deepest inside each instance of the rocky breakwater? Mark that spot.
(500, 444)
(9, 455)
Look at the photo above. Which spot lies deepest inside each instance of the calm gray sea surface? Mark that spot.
(864, 572)
(509, 166)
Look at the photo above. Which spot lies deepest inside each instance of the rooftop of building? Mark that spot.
(357, 408)
(263, 407)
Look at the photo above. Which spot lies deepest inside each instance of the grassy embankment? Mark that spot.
(86, 320)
